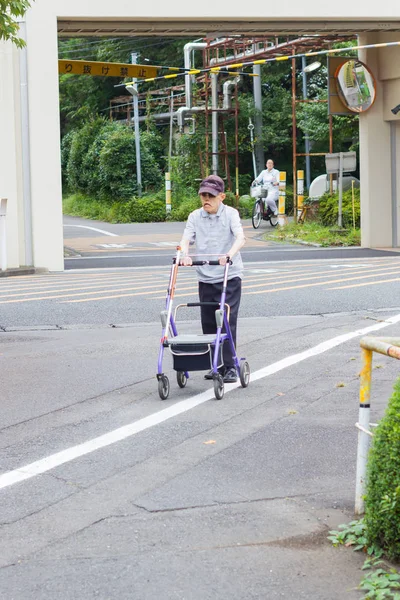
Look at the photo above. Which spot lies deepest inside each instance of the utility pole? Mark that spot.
(306, 136)
(134, 92)
(258, 147)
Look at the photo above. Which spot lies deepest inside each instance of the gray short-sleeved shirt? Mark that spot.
(214, 235)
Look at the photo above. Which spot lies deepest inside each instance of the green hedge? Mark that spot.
(136, 210)
(99, 160)
(329, 209)
(382, 515)
(148, 209)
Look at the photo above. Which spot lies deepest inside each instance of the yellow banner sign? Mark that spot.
(84, 67)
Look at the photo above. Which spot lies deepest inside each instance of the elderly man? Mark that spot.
(217, 231)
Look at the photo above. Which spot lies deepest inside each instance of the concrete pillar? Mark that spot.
(10, 166)
(375, 153)
(44, 135)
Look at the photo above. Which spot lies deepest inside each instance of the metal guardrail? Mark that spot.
(3, 234)
(389, 346)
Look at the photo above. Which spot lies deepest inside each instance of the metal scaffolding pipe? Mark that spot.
(227, 88)
(187, 49)
(214, 122)
(184, 110)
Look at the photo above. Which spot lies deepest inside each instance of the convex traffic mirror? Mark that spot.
(355, 85)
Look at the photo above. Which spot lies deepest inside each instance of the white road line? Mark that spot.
(55, 460)
(94, 229)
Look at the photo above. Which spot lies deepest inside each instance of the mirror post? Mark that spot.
(340, 189)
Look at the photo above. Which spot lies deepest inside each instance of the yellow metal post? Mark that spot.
(300, 192)
(363, 422)
(353, 203)
(167, 192)
(282, 198)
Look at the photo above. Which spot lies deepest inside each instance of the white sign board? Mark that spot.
(332, 162)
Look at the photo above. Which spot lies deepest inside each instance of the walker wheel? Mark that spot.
(219, 387)
(163, 387)
(244, 374)
(181, 379)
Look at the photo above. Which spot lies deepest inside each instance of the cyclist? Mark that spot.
(270, 178)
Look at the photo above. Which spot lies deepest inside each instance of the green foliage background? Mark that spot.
(10, 11)
(98, 156)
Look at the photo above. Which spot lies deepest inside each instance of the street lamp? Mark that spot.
(132, 89)
(311, 67)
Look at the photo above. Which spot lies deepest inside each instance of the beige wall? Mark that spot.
(375, 155)
(44, 107)
(10, 175)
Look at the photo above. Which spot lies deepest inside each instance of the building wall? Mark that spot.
(375, 155)
(9, 159)
(44, 133)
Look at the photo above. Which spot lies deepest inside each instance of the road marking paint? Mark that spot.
(144, 287)
(268, 281)
(305, 285)
(194, 288)
(94, 229)
(345, 287)
(117, 435)
(117, 282)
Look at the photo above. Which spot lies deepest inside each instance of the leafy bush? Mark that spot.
(137, 210)
(246, 204)
(180, 212)
(100, 160)
(382, 516)
(329, 208)
(78, 175)
(117, 162)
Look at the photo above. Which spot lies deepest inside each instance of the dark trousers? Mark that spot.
(211, 292)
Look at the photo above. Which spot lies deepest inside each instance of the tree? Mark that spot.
(10, 10)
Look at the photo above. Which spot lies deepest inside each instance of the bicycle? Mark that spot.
(260, 213)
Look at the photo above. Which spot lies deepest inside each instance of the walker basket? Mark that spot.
(194, 357)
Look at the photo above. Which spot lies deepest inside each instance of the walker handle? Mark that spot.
(199, 263)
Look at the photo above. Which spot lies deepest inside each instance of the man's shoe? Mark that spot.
(210, 374)
(230, 376)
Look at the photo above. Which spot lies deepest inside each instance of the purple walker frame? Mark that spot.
(220, 337)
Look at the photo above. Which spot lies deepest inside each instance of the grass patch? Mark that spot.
(315, 233)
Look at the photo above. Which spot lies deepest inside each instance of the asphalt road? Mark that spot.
(92, 244)
(107, 492)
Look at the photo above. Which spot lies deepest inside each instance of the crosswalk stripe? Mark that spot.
(345, 287)
(294, 287)
(106, 281)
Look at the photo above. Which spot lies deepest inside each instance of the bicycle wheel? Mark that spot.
(273, 220)
(256, 217)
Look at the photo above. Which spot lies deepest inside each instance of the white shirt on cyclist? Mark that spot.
(268, 176)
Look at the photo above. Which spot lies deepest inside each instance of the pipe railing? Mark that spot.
(3, 234)
(390, 347)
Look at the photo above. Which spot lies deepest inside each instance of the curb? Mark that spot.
(19, 271)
